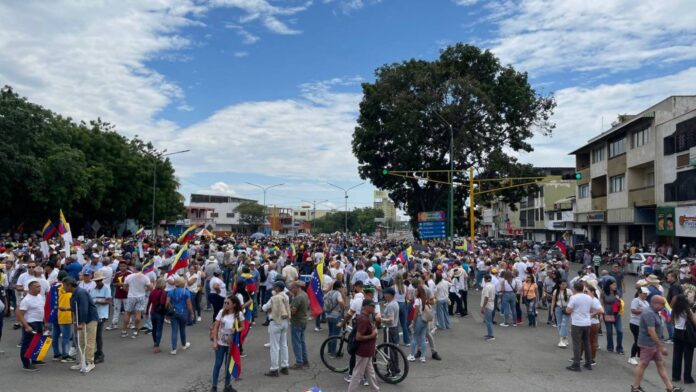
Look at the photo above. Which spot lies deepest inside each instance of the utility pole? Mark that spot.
(154, 180)
(314, 209)
(264, 189)
(345, 191)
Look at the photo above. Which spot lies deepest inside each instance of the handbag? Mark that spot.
(427, 313)
(609, 318)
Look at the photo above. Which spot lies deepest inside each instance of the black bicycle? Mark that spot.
(389, 361)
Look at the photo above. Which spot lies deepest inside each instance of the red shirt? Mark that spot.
(366, 348)
(120, 277)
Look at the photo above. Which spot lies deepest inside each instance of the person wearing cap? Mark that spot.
(458, 294)
(93, 266)
(211, 265)
(651, 347)
(684, 272)
(638, 305)
(374, 281)
(86, 282)
(390, 321)
(217, 292)
(488, 298)
(366, 338)
(278, 307)
(299, 308)
(86, 316)
(101, 295)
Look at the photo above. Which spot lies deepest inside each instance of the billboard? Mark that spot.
(665, 221)
(685, 221)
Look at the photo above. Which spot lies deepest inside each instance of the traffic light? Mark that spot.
(575, 176)
(385, 172)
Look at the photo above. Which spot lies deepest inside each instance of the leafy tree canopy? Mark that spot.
(360, 220)
(405, 119)
(50, 162)
(251, 213)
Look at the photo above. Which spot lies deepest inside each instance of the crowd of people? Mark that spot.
(135, 286)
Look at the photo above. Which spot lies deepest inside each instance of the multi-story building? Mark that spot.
(501, 221)
(642, 162)
(215, 211)
(539, 211)
(305, 215)
(384, 203)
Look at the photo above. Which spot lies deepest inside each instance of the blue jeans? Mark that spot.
(419, 330)
(442, 315)
(619, 334)
(298, 343)
(488, 320)
(403, 321)
(157, 327)
(531, 310)
(178, 327)
(319, 319)
(562, 322)
(479, 278)
(333, 331)
(61, 346)
(221, 357)
(507, 306)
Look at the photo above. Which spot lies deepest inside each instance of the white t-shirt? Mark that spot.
(442, 290)
(227, 327)
(33, 307)
(637, 303)
(53, 276)
(108, 272)
(223, 290)
(43, 282)
(88, 287)
(521, 268)
(193, 287)
(137, 284)
(582, 305)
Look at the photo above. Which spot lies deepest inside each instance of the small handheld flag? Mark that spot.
(38, 347)
(187, 235)
(235, 367)
(63, 225)
(141, 233)
(48, 230)
(315, 293)
(149, 266)
(180, 261)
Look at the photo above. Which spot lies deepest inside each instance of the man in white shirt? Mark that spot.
(488, 305)
(137, 285)
(218, 293)
(581, 308)
(359, 275)
(30, 314)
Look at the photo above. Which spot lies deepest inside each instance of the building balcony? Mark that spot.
(599, 203)
(642, 196)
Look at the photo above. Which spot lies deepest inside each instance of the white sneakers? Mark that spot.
(411, 358)
(633, 361)
(187, 345)
(173, 352)
(89, 368)
(267, 345)
(563, 343)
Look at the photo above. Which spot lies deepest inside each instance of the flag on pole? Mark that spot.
(180, 261)
(63, 225)
(248, 315)
(149, 266)
(560, 244)
(187, 235)
(315, 293)
(235, 367)
(51, 304)
(141, 233)
(38, 347)
(48, 230)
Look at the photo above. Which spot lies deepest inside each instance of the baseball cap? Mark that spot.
(389, 290)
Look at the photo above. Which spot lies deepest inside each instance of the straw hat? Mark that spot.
(179, 282)
(652, 279)
(98, 276)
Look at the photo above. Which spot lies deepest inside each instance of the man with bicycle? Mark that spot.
(366, 338)
(390, 319)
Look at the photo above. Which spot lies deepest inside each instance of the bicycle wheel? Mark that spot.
(339, 361)
(390, 363)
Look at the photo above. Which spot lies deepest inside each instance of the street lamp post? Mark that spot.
(154, 180)
(345, 191)
(264, 189)
(314, 208)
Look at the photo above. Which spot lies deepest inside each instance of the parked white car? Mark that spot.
(637, 262)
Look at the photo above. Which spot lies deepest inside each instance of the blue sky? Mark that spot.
(267, 91)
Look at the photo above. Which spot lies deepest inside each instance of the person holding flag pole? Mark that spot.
(226, 329)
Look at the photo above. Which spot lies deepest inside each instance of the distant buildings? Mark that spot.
(215, 211)
(384, 203)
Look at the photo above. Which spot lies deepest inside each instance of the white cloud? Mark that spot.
(266, 12)
(185, 108)
(308, 138)
(222, 189)
(87, 60)
(240, 55)
(247, 37)
(352, 5)
(465, 3)
(580, 111)
(586, 35)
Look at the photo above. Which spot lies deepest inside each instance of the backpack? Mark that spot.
(330, 303)
(427, 313)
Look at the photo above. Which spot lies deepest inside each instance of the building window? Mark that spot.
(616, 184)
(617, 147)
(641, 138)
(598, 155)
(303, 213)
(230, 214)
(214, 215)
(583, 191)
(650, 179)
(559, 215)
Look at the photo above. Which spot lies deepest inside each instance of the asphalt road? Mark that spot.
(520, 358)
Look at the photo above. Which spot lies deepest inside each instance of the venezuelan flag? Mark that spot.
(48, 230)
(187, 235)
(63, 225)
(315, 293)
(38, 347)
(235, 367)
(149, 266)
(51, 304)
(248, 315)
(180, 261)
(141, 233)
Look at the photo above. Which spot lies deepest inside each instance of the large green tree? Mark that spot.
(360, 220)
(407, 114)
(50, 162)
(251, 213)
